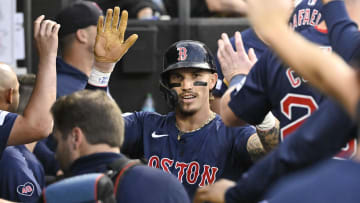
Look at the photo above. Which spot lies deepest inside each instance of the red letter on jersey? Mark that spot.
(294, 81)
(300, 16)
(182, 167)
(154, 161)
(307, 17)
(205, 176)
(166, 163)
(313, 16)
(192, 172)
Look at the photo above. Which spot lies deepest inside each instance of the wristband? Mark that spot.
(268, 122)
(99, 79)
(237, 80)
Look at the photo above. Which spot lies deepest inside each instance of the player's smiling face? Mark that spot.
(193, 88)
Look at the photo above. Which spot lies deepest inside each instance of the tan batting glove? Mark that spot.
(110, 46)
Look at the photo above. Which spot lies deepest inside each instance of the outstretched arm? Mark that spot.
(235, 65)
(36, 123)
(328, 72)
(237, 7)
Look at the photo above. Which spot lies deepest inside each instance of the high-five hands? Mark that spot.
(110, 46)
(234, 62)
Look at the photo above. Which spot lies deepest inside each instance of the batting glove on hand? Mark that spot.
(110, 46)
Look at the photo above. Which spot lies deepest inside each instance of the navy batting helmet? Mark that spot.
(188, 54)
(184, 54)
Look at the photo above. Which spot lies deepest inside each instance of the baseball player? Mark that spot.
(306, 13)
(192, 142)
(21, 175)
(305, 146)
(36, 123)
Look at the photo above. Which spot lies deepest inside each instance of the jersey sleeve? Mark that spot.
(312, 142)
(150, 182)
(18, 182)
(133, 142)
(251, 103)
(7, 121)
(344, 34)
(242, 135)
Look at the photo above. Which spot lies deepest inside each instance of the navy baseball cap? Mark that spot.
(78, 15)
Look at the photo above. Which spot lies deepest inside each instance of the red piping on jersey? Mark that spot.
(96, 183)
(325, 31)
(120, 175)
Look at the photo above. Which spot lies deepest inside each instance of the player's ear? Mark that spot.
(9, 95)
(77, 137)
(81, 35)
(212, 80)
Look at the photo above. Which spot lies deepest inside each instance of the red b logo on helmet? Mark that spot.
(182, 53)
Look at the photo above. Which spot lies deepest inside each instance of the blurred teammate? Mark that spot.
(339, 81)
(306, 14)
(36, 123)
(21, 175)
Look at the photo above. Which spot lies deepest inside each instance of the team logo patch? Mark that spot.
(27, 189)
(182, 53)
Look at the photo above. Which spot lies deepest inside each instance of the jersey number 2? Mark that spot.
(307, 102)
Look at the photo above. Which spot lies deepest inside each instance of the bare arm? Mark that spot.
(269, 138)
(328, 72)
(255, 148)
(227, 6)
(233, 63)
(264, 140)
(36, 123)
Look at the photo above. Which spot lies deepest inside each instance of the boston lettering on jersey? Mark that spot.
(199, 158)
(191, 170)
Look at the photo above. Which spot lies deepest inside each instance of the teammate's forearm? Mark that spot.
(269, 138)
(43, 96)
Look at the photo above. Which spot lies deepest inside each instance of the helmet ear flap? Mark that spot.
(171, 97)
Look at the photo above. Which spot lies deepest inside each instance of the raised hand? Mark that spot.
(110, 46)
(234, 62)
(46, 37)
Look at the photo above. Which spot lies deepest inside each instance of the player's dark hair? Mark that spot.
(97, 115)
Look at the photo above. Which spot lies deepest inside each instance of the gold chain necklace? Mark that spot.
(181, 132)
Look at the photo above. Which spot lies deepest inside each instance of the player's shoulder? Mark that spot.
(12, 158)
(161, 186)
(220, 126)
(6, 116)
